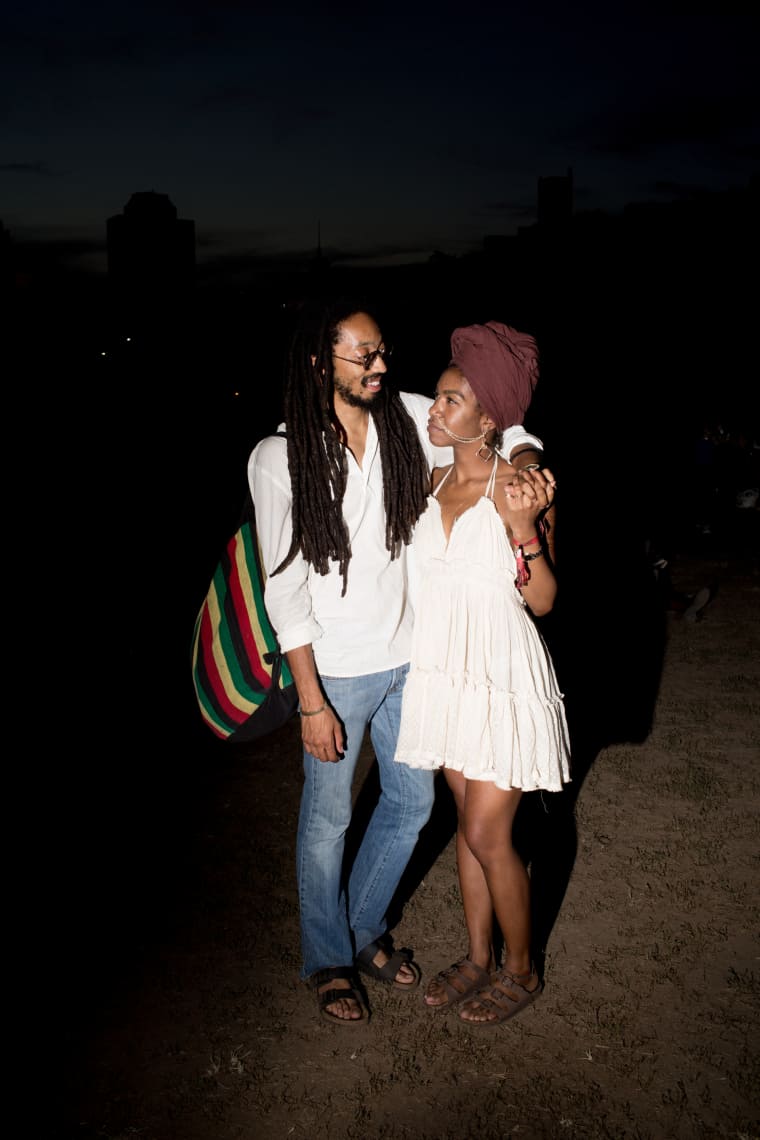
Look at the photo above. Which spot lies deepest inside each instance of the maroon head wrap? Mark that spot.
(501, 366)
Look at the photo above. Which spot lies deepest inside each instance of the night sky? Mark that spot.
(385, 131)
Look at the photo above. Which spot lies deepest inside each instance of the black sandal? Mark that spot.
(327, 997)
(388, 972)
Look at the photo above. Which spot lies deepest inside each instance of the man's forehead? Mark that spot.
(359, 329)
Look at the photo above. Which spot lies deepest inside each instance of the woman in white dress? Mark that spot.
(481, 700)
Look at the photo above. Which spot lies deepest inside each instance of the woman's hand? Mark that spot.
(526, 499)
(527, 496)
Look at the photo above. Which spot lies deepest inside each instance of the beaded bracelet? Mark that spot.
(313, 712)
(522, 559)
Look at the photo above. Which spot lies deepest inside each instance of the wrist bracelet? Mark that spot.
(528, 542)
(313, 712)
(521, 560)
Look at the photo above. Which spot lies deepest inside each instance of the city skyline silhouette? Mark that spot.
(397, 135)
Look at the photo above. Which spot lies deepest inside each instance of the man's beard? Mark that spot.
(349, 397)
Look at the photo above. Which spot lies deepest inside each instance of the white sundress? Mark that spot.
(481, 696)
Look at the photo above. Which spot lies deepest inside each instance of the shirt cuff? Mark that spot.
(293, 636)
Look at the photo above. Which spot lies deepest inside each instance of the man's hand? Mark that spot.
(321, 730)
(322, 735)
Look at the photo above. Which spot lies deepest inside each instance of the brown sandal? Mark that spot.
(502, 998)
(459, 981)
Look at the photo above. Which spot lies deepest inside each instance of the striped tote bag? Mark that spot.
(242, 682)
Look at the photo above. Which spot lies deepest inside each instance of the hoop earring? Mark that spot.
(488, 450)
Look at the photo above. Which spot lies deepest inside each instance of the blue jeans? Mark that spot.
(337, 923)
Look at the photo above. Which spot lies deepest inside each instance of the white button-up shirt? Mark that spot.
(369, 629)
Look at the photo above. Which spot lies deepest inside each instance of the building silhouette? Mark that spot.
(151, 252)
(555, 200)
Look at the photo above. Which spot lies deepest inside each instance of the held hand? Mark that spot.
(528, 495)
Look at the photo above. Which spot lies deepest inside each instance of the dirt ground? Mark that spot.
(181, 1016)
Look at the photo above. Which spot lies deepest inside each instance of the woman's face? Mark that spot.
(454, 408)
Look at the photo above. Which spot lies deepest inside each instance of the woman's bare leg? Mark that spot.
(489, 814)
(476, 899)
(488, 818)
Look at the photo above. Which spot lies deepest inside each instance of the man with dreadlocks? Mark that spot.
(336, 503)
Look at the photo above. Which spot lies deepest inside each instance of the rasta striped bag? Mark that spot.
(243, 685)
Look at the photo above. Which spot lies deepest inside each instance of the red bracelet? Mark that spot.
(529, 542)
(521, 560)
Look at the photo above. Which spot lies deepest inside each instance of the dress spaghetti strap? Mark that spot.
(435, 492)
(492, 479)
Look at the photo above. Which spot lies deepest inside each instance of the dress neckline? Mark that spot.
(487, 494)
(490, 485)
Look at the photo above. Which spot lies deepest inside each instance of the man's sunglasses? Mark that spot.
(369, 358)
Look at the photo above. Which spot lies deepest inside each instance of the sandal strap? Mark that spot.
(504, 986)
(504, 982)
(327, 997)
(368, 952)
(396, 958)
(465, 974)
(504, 996)
(329, 974)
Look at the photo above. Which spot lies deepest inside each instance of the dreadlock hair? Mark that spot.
(316, 453)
